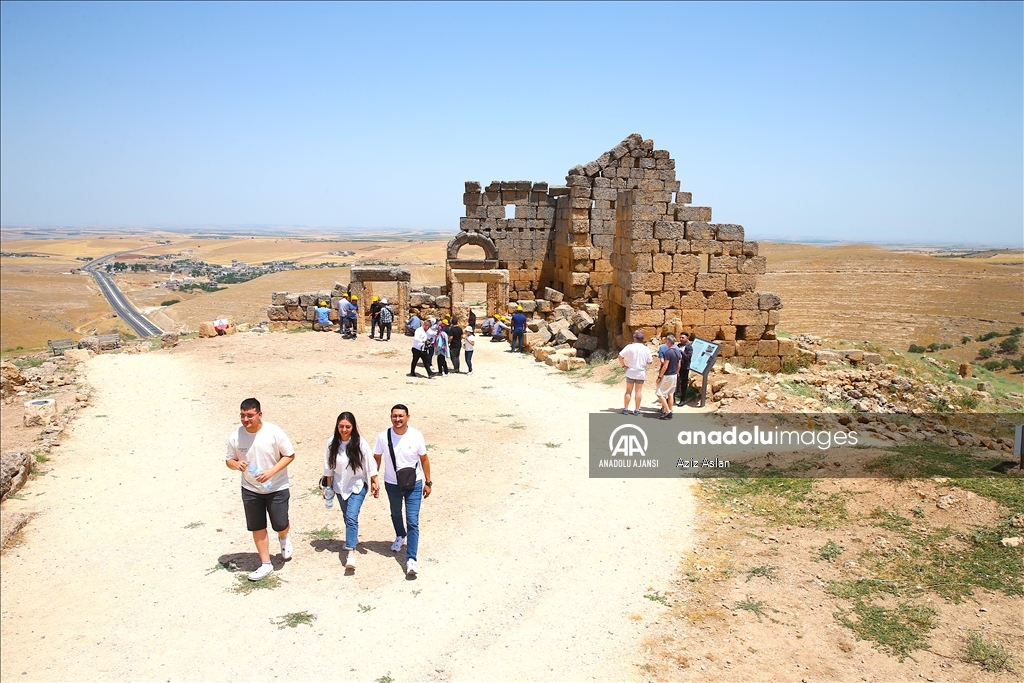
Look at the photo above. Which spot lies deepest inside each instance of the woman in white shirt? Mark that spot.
(350, 468)
(469, 342)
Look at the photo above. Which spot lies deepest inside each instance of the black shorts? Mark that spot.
(259, 505)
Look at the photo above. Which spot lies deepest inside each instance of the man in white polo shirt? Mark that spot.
(406, 479)
(261, 452)
(634, 359)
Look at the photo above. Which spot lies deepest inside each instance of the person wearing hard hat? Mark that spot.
(518, 329)
(387, 317)
(353, 313)
(323, 316)
(344, 304)
(375, 306)
(498, 332)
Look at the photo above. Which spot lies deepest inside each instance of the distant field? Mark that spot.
(841, 292)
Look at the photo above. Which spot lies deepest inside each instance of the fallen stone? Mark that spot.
(566, 364)
(985, 386)
(207, 330)
(586, 342)
(944, 502)
(552, 295)
(1011, 542)
(15, 466)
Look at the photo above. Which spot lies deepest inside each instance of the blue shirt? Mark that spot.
(518, 322)
(323, 315)
(673, 355)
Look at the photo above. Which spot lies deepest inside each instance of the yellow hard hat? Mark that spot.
(519, 308)
(355, 298)
(376, 298)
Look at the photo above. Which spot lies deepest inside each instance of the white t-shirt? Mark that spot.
(419, 338)
(637, 356)
(469, 341)
(263, 449)
(344, 481)
(408, 449)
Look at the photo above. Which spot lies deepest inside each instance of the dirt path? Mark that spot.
(529, 569)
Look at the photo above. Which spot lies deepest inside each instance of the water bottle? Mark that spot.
(329, 497)
(255, 472)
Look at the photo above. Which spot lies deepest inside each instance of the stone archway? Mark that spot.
(497, 281)
(475, 239)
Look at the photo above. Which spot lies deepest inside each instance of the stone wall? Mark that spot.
(622, 235)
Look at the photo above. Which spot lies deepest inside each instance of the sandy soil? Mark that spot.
(529, 569)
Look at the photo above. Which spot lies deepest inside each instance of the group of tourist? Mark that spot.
(673, 372)
(261, 452)
(442, 339)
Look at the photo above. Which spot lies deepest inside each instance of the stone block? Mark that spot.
(279, 298)
(746, 349)
(728, 232)
(638, 317)
(662, 263)
(534, 339)
(296, 313)
(699, 214)
(649, 212)
(698, 230)
(706, 247)
(726, 332)
(710, 282)
(564, 336)
(310, 313)
(689, 318)
(752, 332)
(740, 283)
(529, 305)
(638, 300)
(745, 302)
(563, 312)
(669, 230)
(719, 301)
(552, 295)
(469, 224)
(646, 282)
(307, 299)
(693, 301)
(580, 279)
(753, 265)
(277, 313)
(723, 264)
(566, 364)
(686, 263)
(207, 330)
(643, 230)
(732, 249)
(750, 249)
(727, 349)
(443, 302)
(787, 347)
(767, 348)
(773, 317)
(580, 253)
(664, 300)
(542, 353)
(718, 317)
(769, 301)
(420, 299)
(749, 318)
(586, 342)
(581, 321)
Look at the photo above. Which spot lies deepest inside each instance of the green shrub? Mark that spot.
(933, 347)
(1010, 345)
(993, 365)
(170, 302)
(990, 335)
(914, 348)
(945, 346)
(985, 353)
(965, 339)
(1016, 331)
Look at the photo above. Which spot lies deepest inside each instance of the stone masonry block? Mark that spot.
(767, 348)
(710, 282)
(700, 214)
(649, 212)
(469, 224)
(740, 283)
(723, 264)
(669, 230)
(580, 279)
(635, 317)
(662, 263)
(753, 265)
(689, 318)
(580, 253)
(745, 302)
(279, 298)
(751, 332)
(664, 300)
(679, 282)
(684, 197)
(727, 231)
(718, 317)
(769, 301)
(646, 282)
(773, 317)
(746, 349)
(719, 300)
(640, 230)
(694, 301)
(686, 263)
(750, 249)
(706, 247)
(638, 300)
(645, 246)
(696, 230)
(749, 318)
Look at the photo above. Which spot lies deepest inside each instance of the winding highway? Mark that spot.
(118, 301)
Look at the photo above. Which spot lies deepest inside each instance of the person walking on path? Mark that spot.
(387, 317)
(683, 381)
(375, 306)
(261, 452)
(428, 347)
(455, 343)
(518, 329)
(419, 342)
(668, 372)
(350, 471)
(406, 480)
(470, 347)
(634, 359)
(441, 350)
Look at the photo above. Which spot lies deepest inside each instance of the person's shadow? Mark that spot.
(382, 548)
(247, 562)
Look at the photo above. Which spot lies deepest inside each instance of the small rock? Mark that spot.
(945, 501)
(1012, 542)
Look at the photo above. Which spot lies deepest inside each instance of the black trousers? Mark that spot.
(456, 351)
(418, 355)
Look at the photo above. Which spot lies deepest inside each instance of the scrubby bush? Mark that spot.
(993, 365)
(945, 346)
(1016, 331)
(933, 347)
(990, 335)
(169, 302)
(915, 348)
(965, 339)
(1010, 345)
(984, 353)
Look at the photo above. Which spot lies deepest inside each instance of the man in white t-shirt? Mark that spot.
(634, 359)
(261, 451)
(406, 450)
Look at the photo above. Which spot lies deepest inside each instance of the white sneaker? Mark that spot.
(397, 545)
(264, 571)
(350, 559)
(410, 569)
(286, 548)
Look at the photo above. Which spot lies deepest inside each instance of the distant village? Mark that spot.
(187, 273)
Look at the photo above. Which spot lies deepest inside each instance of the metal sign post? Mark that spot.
(703, 359)
(1018, 443)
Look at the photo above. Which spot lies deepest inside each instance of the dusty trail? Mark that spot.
(529, 569)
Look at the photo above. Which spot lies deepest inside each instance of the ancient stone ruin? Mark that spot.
(618, 249)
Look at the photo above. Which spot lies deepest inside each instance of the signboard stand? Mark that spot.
(703, 359)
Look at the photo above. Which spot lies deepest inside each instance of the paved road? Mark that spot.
(118, 301)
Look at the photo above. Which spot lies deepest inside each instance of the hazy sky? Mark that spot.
(867, 121)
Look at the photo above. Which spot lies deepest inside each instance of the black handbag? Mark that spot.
(407, 475)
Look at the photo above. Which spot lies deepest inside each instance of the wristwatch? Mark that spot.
(429, 483)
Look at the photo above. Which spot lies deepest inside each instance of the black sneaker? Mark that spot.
(665, 416)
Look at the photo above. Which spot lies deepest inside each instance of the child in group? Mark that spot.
(469, 342)
(349, 470)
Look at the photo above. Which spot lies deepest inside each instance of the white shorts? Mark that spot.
(667, 386)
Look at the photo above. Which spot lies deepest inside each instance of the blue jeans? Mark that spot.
(517, 340)
(350, 510)
(469, 360)
(412, 514)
